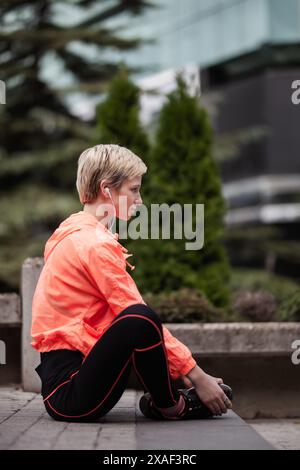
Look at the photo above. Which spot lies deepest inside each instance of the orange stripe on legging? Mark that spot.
(116, 320)
(96, 407)
(67, 381)
(89, 412)
(163, 345)
(150, 347)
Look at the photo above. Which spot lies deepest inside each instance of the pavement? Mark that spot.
(25, 424)
(283, 434)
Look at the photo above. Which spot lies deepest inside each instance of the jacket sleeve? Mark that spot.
(180, 358)
(107, 267)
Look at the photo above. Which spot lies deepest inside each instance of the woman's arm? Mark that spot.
(107, 268)
(208, 390)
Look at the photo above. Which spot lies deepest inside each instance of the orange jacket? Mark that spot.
(83, 286)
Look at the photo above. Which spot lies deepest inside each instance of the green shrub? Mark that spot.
(259, 306)
(290, 307)
(184, 305)
(256, 297)
(285, 291)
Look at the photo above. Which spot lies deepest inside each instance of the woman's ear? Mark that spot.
(104, 188)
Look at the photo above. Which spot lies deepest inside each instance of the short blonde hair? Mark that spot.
(112, 162)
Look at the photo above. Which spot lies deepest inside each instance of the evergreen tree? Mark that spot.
(183, 171)
(40, 137)
(118, 117)
(118, 122)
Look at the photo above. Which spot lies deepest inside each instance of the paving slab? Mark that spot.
(24, 424)
(283, 434)
(228, 432)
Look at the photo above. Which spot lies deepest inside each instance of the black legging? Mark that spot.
(135, 338)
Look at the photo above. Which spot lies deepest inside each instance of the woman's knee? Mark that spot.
(144, 311)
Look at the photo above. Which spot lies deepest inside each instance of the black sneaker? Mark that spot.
(194, 408)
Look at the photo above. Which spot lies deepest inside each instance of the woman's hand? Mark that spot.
(209, 392)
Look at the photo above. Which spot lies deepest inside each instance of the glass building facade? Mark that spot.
(208, 32)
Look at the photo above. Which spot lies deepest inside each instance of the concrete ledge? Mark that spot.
(242, 339)
(30, 358)
(10, 331)
(254, 358)
(10, 310)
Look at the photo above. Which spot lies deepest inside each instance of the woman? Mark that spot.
(91, 324)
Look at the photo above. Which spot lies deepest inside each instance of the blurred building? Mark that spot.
(255, 81)
(248, 55)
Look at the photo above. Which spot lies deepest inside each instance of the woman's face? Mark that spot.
(127, 198)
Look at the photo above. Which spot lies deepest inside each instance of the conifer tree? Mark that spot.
(184, 172)
(40, 136)
(118, 122)
(118, 117)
